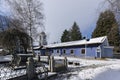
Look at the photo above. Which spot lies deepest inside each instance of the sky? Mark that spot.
(61, 14)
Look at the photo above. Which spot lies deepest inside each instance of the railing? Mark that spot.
(67, 61)
(44, 58)
(55, 63)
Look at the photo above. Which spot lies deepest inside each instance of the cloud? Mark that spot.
(60, 15)
(4, 8)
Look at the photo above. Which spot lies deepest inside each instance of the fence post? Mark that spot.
(49, 63)
(65, 63)
(52, 64)
(39, 58)
(48, 60)
(30, 69)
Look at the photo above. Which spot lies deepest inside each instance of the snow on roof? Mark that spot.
(79, 42)
(1, 50)
(35, 43)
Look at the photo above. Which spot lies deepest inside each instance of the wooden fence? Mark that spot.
(55, 63)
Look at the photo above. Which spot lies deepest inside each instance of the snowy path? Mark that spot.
(93, 70)
(74, 72)
(110, 72)
(108, 69)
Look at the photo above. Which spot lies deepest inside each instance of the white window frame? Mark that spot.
(99, 51)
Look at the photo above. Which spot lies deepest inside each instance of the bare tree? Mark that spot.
(1, 24)
(114, 5)
(29, 13)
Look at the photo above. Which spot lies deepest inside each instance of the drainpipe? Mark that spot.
(86, 47)
(100, 52)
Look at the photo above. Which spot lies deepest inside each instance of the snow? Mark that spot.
(5, 58)
(88, 62)
(1, 50)
(90, 69)
(79, 42)
(110, 72)
(7, 72)
(108, 69)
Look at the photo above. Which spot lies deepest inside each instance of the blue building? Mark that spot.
(93, 48)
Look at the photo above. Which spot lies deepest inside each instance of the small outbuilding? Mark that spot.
(88, 48)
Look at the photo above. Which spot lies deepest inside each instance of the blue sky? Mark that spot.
(61, 14)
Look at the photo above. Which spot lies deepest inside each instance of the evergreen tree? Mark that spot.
(104, 24)
(65, 36)
(75, 33)
(114, 36)
(107, 25)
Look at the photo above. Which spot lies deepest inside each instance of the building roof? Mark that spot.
(97, 40)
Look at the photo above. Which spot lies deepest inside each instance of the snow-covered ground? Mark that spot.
(110, 72)
(89, 69)
(88, 62)
(5, 58)
(108, 69)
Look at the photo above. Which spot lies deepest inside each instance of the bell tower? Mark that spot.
(42, 39)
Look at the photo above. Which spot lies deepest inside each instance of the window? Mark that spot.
(82, 51)
(64, 51)
(47, 53)
(57, 51)
(72, 51)
(98, 50)
(52, 51)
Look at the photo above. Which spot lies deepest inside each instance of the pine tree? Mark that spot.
(104, 24)
(65, 36)
(114, 36)
(72, 35)
(107, 25)
(75, 32)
